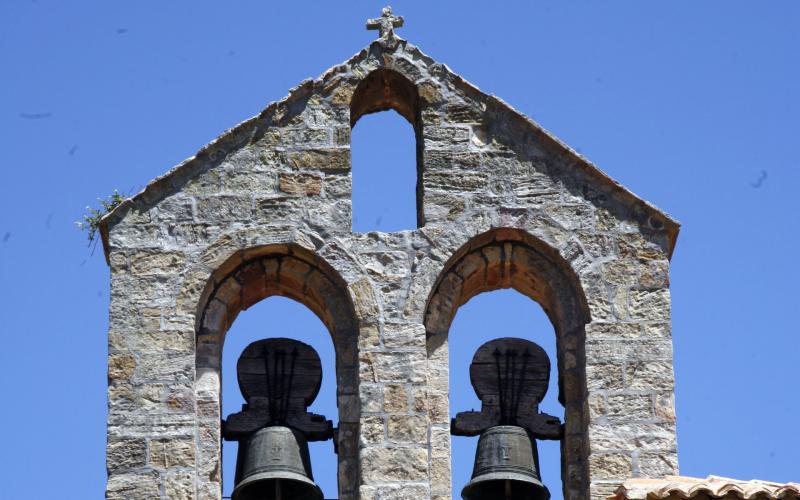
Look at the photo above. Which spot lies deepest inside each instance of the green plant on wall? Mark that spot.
(93, 216)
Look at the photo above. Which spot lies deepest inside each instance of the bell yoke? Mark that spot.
(510, 377)
(279, 378)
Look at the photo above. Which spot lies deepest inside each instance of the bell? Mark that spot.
(505, 467)
(273, 464)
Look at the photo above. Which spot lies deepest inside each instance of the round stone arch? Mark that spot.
(512, 258)
(384, 89)
(245, 278)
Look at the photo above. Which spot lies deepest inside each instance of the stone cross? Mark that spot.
(386, 23)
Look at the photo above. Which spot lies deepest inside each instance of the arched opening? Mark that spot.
(386, 188)
(281, 317)
(510, 258)
(501, 313)
(243, 280)
(382, 147)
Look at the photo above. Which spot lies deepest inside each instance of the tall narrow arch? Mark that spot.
(386, 89)
(510, 258)
(245, 279)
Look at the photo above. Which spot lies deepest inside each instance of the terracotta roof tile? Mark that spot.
(713, 486)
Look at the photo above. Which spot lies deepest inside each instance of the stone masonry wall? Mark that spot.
(265, 209)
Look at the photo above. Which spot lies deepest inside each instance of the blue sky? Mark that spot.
(692, 105)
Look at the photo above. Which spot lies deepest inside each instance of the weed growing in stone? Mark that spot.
(93, 216)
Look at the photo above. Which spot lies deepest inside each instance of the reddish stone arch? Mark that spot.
(511, 258)
(245, 279)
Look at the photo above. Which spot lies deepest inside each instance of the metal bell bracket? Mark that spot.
(510, 377)
(279, 378)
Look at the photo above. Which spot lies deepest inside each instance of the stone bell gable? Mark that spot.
(265, 209)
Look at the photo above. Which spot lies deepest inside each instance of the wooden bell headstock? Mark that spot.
(510, 377)
(279, 378)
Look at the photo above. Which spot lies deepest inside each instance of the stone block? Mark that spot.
(649, 375)
(380, 465)
(121, 366)
(438, 405)
(369, 336)
(447, 138)
(440, 476)
(386, 266)
(629, 406)
(303, 184)
(249, 181)
(631, 436)
(603, 490)
(665, 406)
(278, 207)
(167, 453)
(395, 398)
(224, 208)
(402, 492)
(597, 330)
(364, 299)
(133, 485)
(156, 263)
(636, 246)
(371, 396)
(403, 335)
(372, 431)
(598, 351)
(407, 429)
(605, 376)
(429, 92)
(652, 305)
(179, 485)
(124, 454)
(409, 367)
(657, 465)
(440, 442)
(611, 466)
(456, 181)
(167, 368)
(334, 159)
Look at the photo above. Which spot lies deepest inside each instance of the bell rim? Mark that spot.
(285, 475)
(510, 476)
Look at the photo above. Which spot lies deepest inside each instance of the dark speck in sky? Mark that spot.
(35, 116)
(73, 149)
(122, 31)
(231, 53)
(6, 236)
(48, 220)
(757, 184)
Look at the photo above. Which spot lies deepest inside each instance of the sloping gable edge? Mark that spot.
(239, 135)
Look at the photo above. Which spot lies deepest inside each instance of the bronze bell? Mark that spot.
(273, 464)
(506, 467)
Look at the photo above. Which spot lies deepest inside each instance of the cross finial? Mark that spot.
(386, 23)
